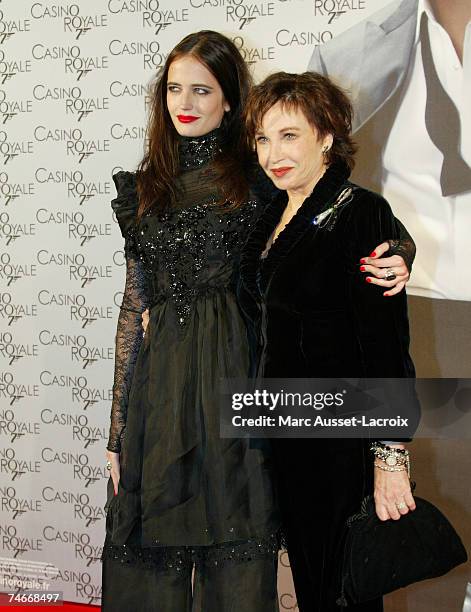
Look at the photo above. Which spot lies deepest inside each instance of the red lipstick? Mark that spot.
(279, 172)
(186, 118)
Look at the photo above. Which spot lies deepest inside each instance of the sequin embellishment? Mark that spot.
(181, 558)
(195, 152)
(181, 244)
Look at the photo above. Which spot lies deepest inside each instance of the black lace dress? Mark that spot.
(184, 491)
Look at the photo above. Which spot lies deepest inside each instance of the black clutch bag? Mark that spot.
(383, 556)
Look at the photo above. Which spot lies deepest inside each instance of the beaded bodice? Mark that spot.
(192, 248)
(190, 253)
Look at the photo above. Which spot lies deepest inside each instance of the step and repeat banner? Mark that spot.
(73, 101)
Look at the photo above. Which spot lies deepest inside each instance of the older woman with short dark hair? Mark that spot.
(316, 325)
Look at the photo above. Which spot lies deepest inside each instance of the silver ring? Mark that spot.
(389, 276)
(401, 505)
(108, 465)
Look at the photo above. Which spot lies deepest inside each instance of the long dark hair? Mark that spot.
(160, 165)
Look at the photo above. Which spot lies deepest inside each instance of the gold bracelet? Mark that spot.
(388, 468)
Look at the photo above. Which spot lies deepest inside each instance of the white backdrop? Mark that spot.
(72, 111)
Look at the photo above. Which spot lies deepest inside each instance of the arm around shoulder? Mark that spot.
(382, 324)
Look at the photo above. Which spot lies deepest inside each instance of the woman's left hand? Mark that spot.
(375, 267)
(392, 489)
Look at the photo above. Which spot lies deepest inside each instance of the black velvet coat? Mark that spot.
(310, 313)
(324, 320)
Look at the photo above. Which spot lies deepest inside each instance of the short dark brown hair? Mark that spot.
(326, 107)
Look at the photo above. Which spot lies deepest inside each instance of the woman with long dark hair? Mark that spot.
(180, 498)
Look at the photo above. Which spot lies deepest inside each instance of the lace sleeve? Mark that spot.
(128, 341)
(135, 301)
(404, 246)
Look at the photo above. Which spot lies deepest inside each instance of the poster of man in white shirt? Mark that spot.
(408, 70)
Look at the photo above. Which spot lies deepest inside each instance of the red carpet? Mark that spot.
(66, 607)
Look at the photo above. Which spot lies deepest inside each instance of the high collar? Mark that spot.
(196, 151)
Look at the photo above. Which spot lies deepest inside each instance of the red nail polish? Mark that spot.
(373, 254)
(368, 280)
(363, 260)
(362, 268)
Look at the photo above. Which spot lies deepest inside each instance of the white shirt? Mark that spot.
(440, 226)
